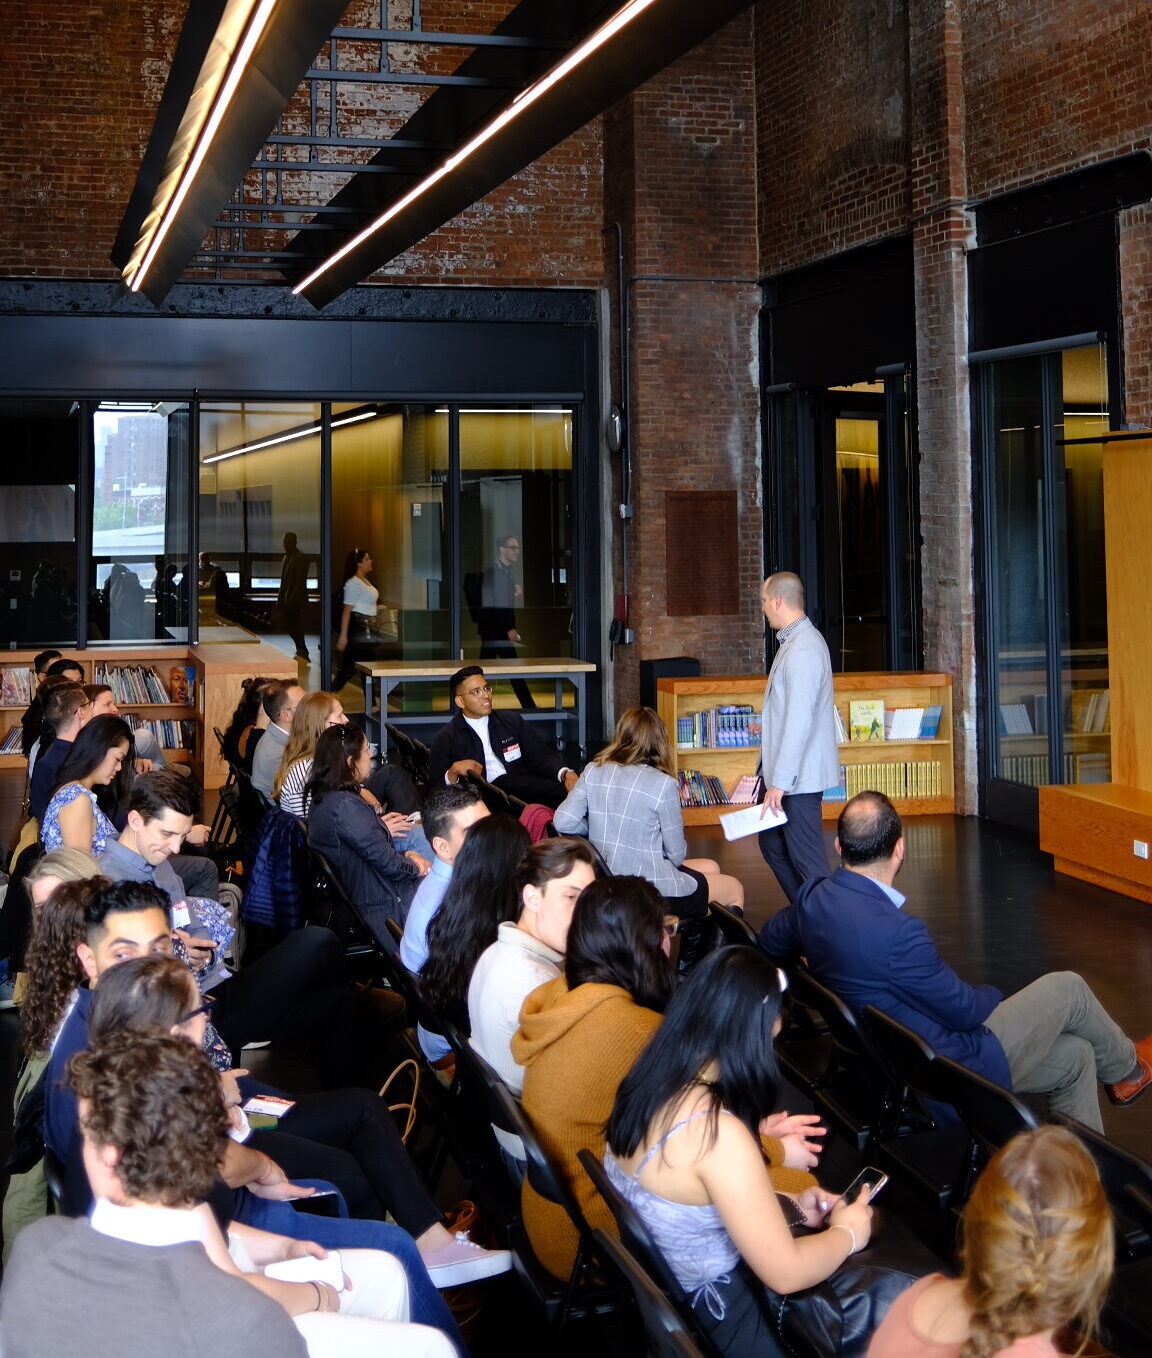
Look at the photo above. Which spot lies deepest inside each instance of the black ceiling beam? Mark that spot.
(286, 50)
(657, 37)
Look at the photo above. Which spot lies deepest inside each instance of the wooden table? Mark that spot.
(560, 669)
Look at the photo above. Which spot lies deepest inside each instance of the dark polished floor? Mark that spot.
(999, 914)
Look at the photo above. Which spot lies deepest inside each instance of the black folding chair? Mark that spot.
(413, 754)
(840, 1071)
(942, 1157)
(495, 798)
(664, 1328)
(585, 1292)
(1127, 1180)
(733, 929)
(637, 1239)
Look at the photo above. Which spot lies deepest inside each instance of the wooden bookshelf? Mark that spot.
(219, 670)
(683, 697)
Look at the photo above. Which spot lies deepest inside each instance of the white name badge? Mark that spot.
(181, 916)
(512, 752)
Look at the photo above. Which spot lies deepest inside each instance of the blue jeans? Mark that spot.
(333, 1233)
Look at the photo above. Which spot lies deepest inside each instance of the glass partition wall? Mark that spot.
(1046, 671)
(148, 522)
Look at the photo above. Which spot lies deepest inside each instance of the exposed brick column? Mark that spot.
(680, 178)
(1136, 289)
(940, 233)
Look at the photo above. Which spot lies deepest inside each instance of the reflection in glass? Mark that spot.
(260, 524)
(516, 534)
(860, 526)
(389, 470)
(1048, 567)
(139, 578)
(41, 442)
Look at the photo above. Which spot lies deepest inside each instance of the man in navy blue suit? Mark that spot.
(1053, 1037)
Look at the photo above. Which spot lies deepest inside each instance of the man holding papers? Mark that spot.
(798, 739)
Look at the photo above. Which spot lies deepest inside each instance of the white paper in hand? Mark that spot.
(737, 824)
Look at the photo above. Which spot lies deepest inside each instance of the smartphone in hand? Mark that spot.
(869, 1180)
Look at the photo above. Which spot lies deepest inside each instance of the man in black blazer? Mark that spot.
(498, 746)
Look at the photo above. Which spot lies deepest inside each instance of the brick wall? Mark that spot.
(80, 92)
(940, 235)
(832, 127)
(1136, 289)
(1051, 85)
(679, 159)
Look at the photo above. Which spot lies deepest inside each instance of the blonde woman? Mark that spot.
(1038, 1247)
(628, 804)
(315, 713)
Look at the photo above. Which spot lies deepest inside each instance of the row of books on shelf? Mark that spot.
(17, 685)
(11, 742)
(141, 684)
(870, 720)
(1087, 711)
(735, 726)
(170, 734)
(910, 778)
(704, 789)
(1033, 769)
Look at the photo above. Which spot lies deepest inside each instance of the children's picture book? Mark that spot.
(866, 719)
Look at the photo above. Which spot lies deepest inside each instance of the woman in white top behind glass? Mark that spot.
(358, 616)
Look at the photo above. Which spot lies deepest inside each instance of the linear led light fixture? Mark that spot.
(523, 101)
(508, 410)
(256, 26)
(290, 437)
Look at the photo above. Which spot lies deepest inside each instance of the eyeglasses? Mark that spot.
(208, 1008)
(671, 925)
(476, 692)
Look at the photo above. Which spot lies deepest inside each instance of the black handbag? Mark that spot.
(28, 1129)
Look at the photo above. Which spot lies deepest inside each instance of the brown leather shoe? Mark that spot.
(1125, 1092)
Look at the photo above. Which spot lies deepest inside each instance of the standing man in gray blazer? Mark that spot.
(799, 758)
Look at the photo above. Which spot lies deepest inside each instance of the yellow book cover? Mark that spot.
(867, 719)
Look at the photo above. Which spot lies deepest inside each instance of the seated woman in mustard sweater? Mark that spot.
(580, 1035)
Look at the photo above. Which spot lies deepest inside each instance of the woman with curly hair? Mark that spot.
(53, 978)
(245, 729)
(1037, 1254)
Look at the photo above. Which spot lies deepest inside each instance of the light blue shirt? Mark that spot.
(414, 944)
(890, 891)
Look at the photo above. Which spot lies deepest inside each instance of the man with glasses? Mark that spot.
(498, 746)
(496, 617)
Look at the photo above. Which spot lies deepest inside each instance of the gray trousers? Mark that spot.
(1060, 1041)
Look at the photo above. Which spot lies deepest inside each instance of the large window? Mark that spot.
(1047, 671)
(390, 467)
(140, 573)
(259, 525)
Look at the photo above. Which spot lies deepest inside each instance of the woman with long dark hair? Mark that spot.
(359, 600)
(684, 1149)
(580, 1035)
(1038, 1254)
(100, 757)
(481, 896)
(245, 729)
(354, 839)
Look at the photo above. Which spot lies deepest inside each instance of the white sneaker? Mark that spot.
(465, 1262)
